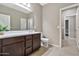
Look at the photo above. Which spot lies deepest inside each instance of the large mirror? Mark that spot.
(16, 17)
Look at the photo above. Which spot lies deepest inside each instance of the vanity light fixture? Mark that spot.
(24, 5)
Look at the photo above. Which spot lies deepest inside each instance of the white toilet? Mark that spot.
(44, 42)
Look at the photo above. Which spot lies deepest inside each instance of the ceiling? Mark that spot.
(22, 7)
(43, 4)
(18, 7)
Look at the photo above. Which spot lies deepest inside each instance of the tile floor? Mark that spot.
(67, 50)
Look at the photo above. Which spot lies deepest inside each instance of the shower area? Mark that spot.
(70, 26)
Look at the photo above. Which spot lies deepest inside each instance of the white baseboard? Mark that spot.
(55, 45)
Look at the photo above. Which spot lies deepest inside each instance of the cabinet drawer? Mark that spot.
(12, 40)
(29, 51)
(28, 43)
(29, 37)
(36, 44)
(36, 36)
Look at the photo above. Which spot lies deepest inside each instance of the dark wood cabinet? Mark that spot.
(36, 41)
(19, 46)
(28, 41)
(14, 49)
(0, 47)
(28, 51)
(29, 44)
(13, 46)
(12, 40)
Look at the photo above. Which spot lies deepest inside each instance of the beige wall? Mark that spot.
(51, 21)
(37, 13)
(15, 16)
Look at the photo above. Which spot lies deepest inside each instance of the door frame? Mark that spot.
(60, 22)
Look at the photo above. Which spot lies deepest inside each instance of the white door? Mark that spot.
(77, 26)
(72, 26)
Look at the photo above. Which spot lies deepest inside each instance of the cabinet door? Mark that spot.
(0, 47)
(28, 51)
(14, 49)
(36, 41)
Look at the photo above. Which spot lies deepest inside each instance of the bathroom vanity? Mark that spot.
(19, 43)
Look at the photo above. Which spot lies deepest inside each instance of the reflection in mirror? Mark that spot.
(4, 21)
(31, 23)
(23, 23)
(16, 19)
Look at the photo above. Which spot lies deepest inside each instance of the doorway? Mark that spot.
(68, 25)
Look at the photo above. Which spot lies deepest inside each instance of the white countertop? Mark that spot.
(8, 34)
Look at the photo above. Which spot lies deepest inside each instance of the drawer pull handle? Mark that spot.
(28, 47)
